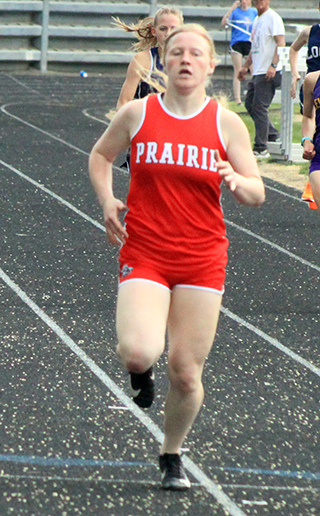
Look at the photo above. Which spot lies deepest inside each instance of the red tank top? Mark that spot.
(174, 196)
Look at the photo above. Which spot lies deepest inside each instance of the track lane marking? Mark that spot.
(211, 487)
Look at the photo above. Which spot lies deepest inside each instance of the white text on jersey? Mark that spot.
(187, 155)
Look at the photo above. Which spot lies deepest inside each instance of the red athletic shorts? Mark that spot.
(173, 274)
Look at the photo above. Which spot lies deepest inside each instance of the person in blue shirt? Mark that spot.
(239, 17)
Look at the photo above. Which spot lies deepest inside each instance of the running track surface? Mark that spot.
(72, 442)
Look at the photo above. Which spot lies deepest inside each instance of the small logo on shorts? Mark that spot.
(126, 270)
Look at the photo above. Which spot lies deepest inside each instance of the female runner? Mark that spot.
(151, 33)
(174, 245)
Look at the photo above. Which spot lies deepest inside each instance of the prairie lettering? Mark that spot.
(176, 154)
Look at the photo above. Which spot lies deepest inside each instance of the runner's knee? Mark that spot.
(136, 356)
(184, 378)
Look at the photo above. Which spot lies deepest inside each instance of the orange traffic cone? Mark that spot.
(307, 194)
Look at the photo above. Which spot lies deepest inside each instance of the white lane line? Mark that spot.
(25, 86)
(271, 488)
(104, 122)
(3, 109)
(285, 193)
(227, 312)
(275, 246)
(211, 487)
(52, 194)
(271, 341)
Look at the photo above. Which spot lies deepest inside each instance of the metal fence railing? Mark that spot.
(286, 149)
(38, 32)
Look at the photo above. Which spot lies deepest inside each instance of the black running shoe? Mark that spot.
(173, 474)
(142, 388)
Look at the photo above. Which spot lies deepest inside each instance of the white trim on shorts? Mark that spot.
(145, 280)
(207, 289)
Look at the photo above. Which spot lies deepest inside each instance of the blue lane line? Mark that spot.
(55, 461)
(281, 473)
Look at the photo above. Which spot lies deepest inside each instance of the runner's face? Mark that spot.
(188, 61)
(166, 23)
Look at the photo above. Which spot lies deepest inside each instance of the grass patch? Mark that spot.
(275, 117)
(304, 168)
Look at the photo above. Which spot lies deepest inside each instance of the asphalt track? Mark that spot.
(71, 441)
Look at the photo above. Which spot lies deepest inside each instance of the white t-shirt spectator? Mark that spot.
(265, 27)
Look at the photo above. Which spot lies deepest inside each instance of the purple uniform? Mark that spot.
(315, 162)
